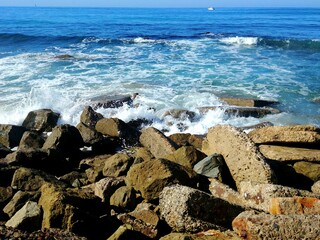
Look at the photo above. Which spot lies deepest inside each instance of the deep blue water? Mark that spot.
(174, 58)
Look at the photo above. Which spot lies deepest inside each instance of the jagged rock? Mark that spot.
(89, 117)
(124, 197)
(28, 218)
(241, 155)
(256, 112)
(151, 177)
(211, 166)
(107, 186)
(282, 153)
(66, 139)
(189, 210)
(4, 151)
(301, 135)
(74, 179)
(42, 120)
(250, 225)
(31, 139)
(5, 194)
(140, 152)
(308, 169)
(89, 135)
(146, 213)
(94, 167)
(117, 165)
(27, 179)
(156, 142)
(115, 127)
(295, 205)
(18, 201)
(186, 139)
(10, 135)
(113, 101)
(259, 195)
(180, 114)
(247, 102)
(316, 188)
(186, 156)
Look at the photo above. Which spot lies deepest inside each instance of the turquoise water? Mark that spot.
(174, 58)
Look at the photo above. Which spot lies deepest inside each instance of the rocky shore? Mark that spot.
(107, 179)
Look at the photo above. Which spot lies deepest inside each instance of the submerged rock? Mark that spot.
(112, 101)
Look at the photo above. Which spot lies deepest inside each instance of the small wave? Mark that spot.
(291, 44)
(143, 40)
(240, 40)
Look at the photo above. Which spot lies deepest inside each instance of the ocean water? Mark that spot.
(174, 59)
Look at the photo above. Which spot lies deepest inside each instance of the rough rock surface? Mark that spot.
(240, 154)
(89, 117)
(308, 169)
(42, 120)
(107, 186)
(295, 205)
(124, 197)
(31, 139)
(250, 225)
(89, 135)
(10, 135)
(157, 143)
(117, 165)
(186, 156)
(189, 210)
(211, 166)
(246, 102)
(151, 177)
(316, 188)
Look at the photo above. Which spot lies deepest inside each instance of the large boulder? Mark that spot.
(151, 177)
(89, 135)
(242, 157)
(10, 135)
(157, 143)
(42, 120)
(187, 156)
(89, 117)
(28, 218)
(306, 135)
(252, 225)
(66, 139)
(117, 165)
(124, 197)
(189, 210)
(31, 139)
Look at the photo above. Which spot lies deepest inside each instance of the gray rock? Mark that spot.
(41, 120)
(189, 210)
(10, 135)
(28, 218)
(210, 166)
(112, 101)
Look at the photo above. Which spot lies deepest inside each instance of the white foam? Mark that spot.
(143, 40)
(240, 40)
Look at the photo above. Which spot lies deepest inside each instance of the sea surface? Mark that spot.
(174, 59)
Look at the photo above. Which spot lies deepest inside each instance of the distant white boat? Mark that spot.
(210, 8)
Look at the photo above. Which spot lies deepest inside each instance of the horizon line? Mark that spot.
(157, 7)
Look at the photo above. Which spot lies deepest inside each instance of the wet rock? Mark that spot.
(211, 166)
(256, 126)
(295, 205)
(296, 135)
(149, 178)
(242, 157)
(259, 195)
(66, 139)
(308, 169)
(43, 120)
(10, 135)
(89, 135)
(112, 101)
(124, 197)
(4, 151)
(115, 127)
(156, 142)
(316, 100)
(19, 200)
(31, 139)
(180, 114)
(251, 225)
(247, 102)
(281, 153)
(89, 117)
(117, 165)
(64, 57)
(106, 187)
(189, 210)
(187, 156)
(28, 218)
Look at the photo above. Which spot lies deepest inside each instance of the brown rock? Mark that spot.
(308, 169)
(187, 156)
(186, 139)
(295, 205)
(89, 117)
(89, 135)
(42, 120)
(189, 210)
(117, 165)
(240, 154)
(5, 194)
(156, 142)
(140, 152)
(287, 135)
(107, 186)
(247, 102)
(124, 197)
(259, 195)
(250, 225)
(10, 135)
(316, 188)
(207, 235)
(31, 140)
(146, 213)
(281, 153)
(151, 177)
(4, 151)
